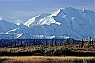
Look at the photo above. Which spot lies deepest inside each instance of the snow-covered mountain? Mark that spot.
(63, 23)
(75, 23)
(6, 26)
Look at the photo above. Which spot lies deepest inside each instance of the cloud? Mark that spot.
(19, 13)
(18, 21)
(0, 18)
(29, 13)
(15, 20)
(88, 7)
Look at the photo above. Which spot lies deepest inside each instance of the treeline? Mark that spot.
(47, 42)
(33, 42)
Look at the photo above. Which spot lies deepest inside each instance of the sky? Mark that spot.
(22, 10)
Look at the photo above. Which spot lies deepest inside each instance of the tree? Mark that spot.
(15, 43)
(92, 43)
(89, 42)
(82, 44)
(72, 41)
(55, 43)
(21, 44)
(46, 42)
(52, 42)
(34, 42)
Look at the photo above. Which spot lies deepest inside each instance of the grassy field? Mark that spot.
(47, 59)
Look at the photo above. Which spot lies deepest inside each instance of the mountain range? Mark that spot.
(63, 23)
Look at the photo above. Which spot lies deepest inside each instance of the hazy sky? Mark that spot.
(15, 10)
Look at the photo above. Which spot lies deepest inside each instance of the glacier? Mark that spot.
(64, 23)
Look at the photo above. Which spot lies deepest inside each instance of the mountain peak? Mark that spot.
(3, 21)
(56, 12)
(67, 8)
(6, 26)
(42, 19)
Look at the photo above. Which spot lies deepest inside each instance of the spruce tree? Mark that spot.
(52, 42)
(34, 42)
(55, 43)
(46, 42)
(82, 44)
(89, 42)
(21, 44)
(15, 43)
